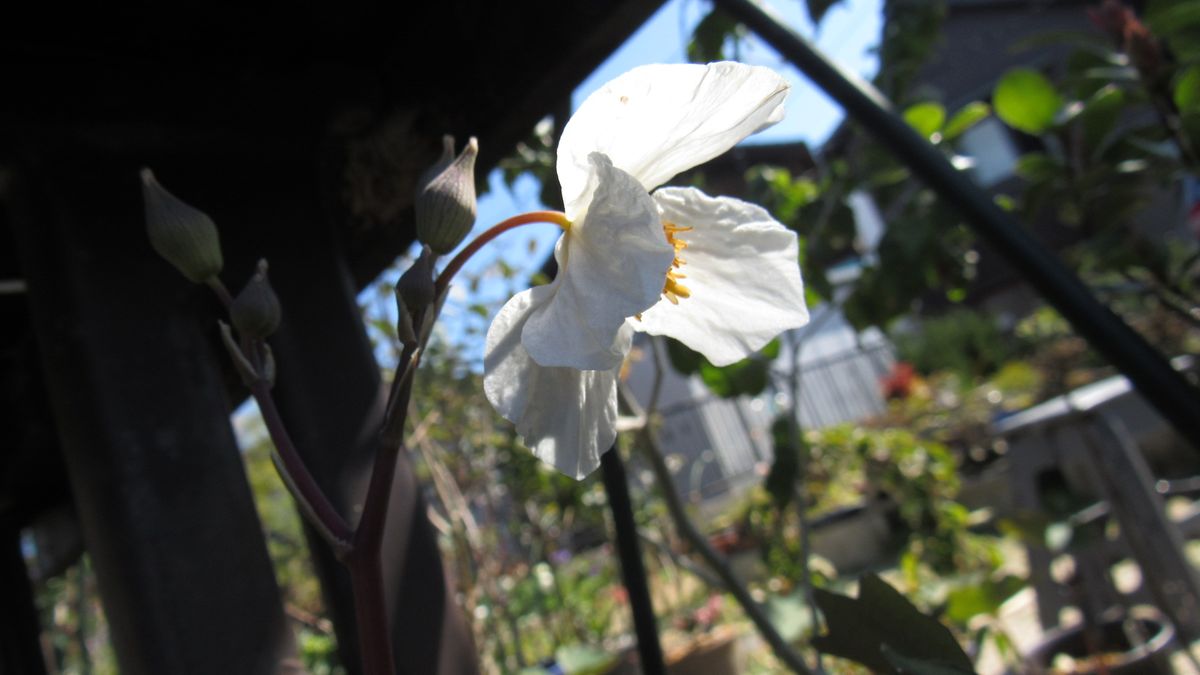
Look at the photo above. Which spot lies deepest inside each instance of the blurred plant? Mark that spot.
(1115, 131)
(318, 652)
(966, 342)
(75, 637)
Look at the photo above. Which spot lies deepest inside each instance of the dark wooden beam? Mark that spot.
(136, 388)
(376, 82)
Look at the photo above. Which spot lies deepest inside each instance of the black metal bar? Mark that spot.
(633, 571)
(1149, 372)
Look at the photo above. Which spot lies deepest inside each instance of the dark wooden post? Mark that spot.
(132, 370)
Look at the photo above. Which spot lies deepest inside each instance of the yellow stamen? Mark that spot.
(672, 289)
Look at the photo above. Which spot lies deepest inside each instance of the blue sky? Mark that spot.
(848, 35)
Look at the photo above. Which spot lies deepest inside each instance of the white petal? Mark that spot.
(612, 265)
(743, 273)
(656, 121)
(567, 417)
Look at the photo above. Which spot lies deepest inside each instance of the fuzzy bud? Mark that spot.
(183, 235)
(255, 311)
(445, 202)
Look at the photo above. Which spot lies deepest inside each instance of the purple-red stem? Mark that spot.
(365, 542)
(366, 571)
(297, 470)
(364, 561)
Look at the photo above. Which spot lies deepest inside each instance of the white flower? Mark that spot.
(716, 273)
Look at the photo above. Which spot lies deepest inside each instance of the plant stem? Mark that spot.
(328, 521)
(366, 573)
(554, 217)
(370, 612)
(801, 485)
(633, 570)
(218, 287)
(359, 548)
(696, 540)
(683, 525)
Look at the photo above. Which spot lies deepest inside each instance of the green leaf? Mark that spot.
(968, 116)
(710, 35)
(984, 598)
(780, 482)
(1175, 16)
(1026, 100)
(926, 118)
(749, 376)
(1036, 167)
(911, 666)
(1099, 115)
(770, 350)
(860, 628)
(746, 377)
(683, 360)
(1187, 90)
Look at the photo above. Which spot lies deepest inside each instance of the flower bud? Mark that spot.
(445, 201)
(415, 289)
(183, 235)
(406, 332)
(255, 311)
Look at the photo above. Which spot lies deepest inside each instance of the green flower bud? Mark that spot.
(255, 311)
(183, 235)
(445, 201)
(415, 289)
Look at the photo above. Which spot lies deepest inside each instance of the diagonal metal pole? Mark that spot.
(633, 571)
(1150, 373)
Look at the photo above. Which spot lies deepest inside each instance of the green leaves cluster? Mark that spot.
(1119, 124)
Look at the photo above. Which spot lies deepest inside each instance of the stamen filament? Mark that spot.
(555, 217)
(672, 289)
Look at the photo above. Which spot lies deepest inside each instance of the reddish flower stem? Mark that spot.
(555, 217)
(362, 545)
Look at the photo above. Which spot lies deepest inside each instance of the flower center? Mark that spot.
(672, 289)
